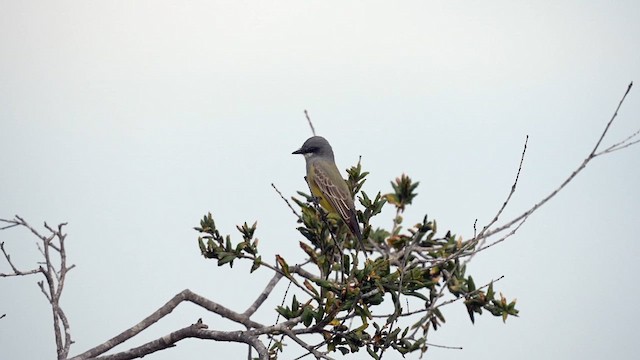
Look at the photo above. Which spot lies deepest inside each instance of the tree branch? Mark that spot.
(263, 296)
(55, 278)
(185, 295)
(16, 272)
(197, 330)
(592, 155)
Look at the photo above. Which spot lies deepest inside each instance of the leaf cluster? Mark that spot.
(214, 246)
(414, 270)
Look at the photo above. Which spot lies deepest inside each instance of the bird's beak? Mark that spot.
(299, 151)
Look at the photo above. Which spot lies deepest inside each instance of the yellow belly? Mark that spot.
(315, 190)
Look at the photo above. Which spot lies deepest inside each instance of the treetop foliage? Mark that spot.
(387, 299)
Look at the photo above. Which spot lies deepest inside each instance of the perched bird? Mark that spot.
(326, 183)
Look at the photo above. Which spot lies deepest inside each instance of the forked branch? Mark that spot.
(54, 269)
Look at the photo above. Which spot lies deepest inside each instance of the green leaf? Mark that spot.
(471, 284)
(226, 259)
(490, 293)
(307, 316)
(283, 265)
(372, 353)
(284, 311)
(256, 263)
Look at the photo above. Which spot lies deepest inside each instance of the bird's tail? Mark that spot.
(354, 227)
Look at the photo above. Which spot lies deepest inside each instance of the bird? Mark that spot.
(326, 183)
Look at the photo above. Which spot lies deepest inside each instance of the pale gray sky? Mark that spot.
(132, 119)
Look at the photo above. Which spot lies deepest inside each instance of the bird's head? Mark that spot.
(315, 146)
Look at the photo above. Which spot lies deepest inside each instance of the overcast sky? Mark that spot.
(132, 119)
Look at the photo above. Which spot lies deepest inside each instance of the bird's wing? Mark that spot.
(333, 193)
(339, 197)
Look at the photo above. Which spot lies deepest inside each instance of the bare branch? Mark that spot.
(197, 330)
(511, 233)
(615, 114)
(263, 296)
(313, 130)
(44, 291)
(622, 144)
(12, 224)
(16, 272)
(286, 201)
(55, 278)
(444, 346)
(185, 295)
(513, 190)
(592, 155)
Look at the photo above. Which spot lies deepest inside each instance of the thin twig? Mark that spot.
(622, 144)
(284, 297)
(313, 130)
(8, 226)
(286, 201)
(444, 346)
(615, 114)
(592, 155)
(511, 233)
(308, 347)
(16, 272)
(480, 239)
(513, 190)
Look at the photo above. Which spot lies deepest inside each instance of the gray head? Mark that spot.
(315, 146)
